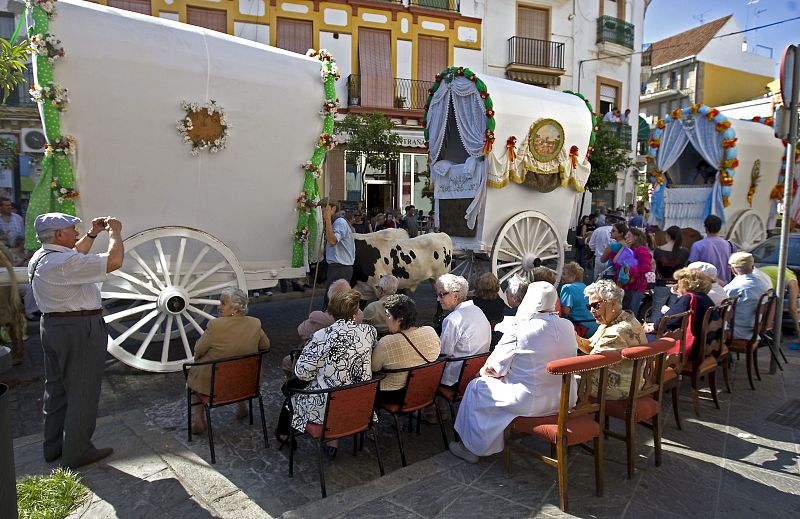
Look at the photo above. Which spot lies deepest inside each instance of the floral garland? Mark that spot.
(777, 192)
(722, 125)
(55, 96)
(306, 230)
(212, 112)
(593, 135)
(448, 75)
(55, 190)
(48, 46)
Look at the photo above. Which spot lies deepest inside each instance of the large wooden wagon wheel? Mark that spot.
(747, 230)
(527, 240)
(156, 304)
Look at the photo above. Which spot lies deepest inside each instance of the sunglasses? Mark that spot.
(595, 305)
(440, 295)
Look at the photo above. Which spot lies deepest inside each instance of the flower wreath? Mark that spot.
(55, 96)
(722, 125)
(448, 75)
(48, 46)
(204, 126)
(48, 6)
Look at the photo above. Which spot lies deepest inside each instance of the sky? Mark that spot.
(668, 17)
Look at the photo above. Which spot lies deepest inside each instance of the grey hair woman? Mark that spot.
(451, 290)
(618, 330)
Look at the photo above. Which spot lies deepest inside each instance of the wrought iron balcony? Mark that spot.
(535, 53)
(445, 5)
(614, 30)
(621, 131)
(387, 93)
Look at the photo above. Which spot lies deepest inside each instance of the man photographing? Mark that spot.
(64, 277)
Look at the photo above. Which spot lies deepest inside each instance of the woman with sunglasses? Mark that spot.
(618, 330)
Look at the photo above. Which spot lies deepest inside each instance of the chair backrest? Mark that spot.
(728, 319)
(648, 367)
(768, 315)
(591, 368)
(675, 359)
(470, 366)
(349, 408)
(711, 335)
(761, 317)
(235, 378)
(422, 384)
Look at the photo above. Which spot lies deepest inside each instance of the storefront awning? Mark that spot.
(411, 138)
(644, 130)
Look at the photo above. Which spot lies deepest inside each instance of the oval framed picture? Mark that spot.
(546, 140)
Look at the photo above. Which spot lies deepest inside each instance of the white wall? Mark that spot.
(727, 52)
(404, 51)
(341, 50)
(468, 58)
(761, 107)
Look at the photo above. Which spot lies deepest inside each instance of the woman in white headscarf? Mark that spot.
(716, 294)
(514, 381)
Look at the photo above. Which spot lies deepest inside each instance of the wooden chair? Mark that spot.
(705, 362)
(643, 404)
(750, 346)
(675, 358)
(571, 426)
(768, 332)
(233, 380)
(421, 389)
(470, 366)
(348, 412)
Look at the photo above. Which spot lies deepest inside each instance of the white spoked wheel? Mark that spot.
(748, 230)
(156, 303)
(526, 241)
(469, 265)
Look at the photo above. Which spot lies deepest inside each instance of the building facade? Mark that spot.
(700, 66)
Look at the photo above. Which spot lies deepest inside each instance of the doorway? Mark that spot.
(379, 197)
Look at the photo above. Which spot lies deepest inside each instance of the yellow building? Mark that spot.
(388, 53)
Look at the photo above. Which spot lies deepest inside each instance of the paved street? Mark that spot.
(740, 461)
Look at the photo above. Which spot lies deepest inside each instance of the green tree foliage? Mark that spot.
(12, 65)
(608, 157)
(370, 136)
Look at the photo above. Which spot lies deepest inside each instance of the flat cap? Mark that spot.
(54, 222)
(741, 259)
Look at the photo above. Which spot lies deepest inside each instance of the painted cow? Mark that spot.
(411, 260)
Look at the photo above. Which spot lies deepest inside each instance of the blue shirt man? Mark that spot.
(749, 288)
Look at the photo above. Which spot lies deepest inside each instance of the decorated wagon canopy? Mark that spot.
(248, 117)
(507, 159)
(703, 163)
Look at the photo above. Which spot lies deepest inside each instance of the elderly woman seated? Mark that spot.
(337, 355)
(692, 291)
(465, 331)
(618, 330)
(514, 381)
(407, 346)
(375, 312)
(230, 334)
(716, 292)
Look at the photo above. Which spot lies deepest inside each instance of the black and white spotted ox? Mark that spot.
(410, 260)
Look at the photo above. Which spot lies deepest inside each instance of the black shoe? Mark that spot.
(51, 458)
(93, 457)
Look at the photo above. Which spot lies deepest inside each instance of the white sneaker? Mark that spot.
(458, 449)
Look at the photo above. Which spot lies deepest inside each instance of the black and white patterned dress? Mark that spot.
(335, 356)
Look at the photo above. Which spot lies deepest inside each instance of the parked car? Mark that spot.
(767, 252)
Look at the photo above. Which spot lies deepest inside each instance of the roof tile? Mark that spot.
(685, 44)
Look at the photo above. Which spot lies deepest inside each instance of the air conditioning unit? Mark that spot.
(32, 140)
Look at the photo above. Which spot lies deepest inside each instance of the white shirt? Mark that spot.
(66, 280)
(600, 239)
(466, 331)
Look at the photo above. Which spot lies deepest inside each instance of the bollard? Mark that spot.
(8, 486)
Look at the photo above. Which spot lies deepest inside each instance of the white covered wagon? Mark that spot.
(507, 161)
(703, 163)
(215, 211)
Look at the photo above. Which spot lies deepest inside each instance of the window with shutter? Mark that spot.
(532, 23)
(136, 6)
(431, 59)
(294, 35)
(213, 19)
(375, 68)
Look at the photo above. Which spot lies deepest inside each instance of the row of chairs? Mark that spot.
(657, 367)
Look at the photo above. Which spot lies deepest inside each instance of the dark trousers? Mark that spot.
(74, 358)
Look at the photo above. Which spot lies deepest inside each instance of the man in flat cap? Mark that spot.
(65, 279)
(749, 288)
